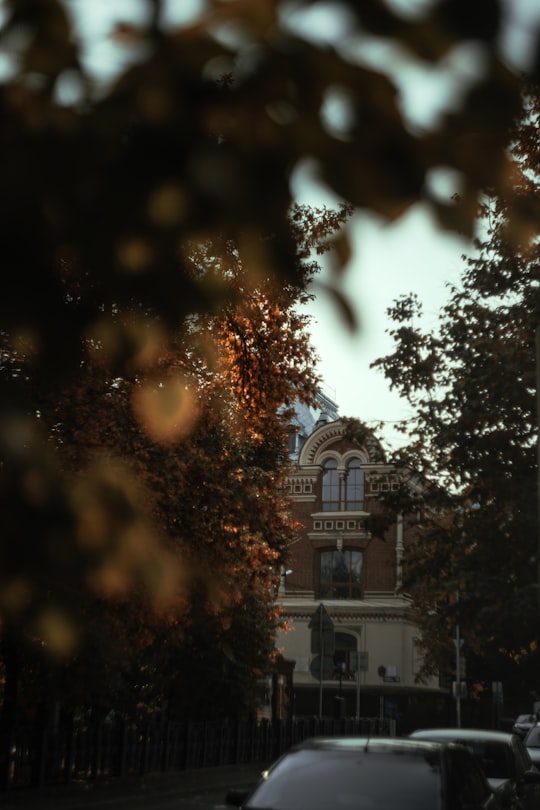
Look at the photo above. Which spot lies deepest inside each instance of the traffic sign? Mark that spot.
(328, 667)
(322, 632)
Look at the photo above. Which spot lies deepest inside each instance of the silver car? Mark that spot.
(504, 759)
(532, 744)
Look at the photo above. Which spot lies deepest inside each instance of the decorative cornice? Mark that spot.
(326, 435)
(354, 514)
(353, 616)
(318, 440)
(372, 609)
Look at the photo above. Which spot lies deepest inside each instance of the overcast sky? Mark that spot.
(411, 255)
(390, 260)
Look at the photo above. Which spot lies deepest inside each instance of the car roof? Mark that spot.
(486, 735)
(370, 744)
(533, 731)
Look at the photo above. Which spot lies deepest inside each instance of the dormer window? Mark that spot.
(293, 439)
(342, 491)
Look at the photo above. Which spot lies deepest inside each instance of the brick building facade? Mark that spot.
(370, 660)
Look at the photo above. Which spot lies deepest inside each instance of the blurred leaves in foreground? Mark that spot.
(151, 264)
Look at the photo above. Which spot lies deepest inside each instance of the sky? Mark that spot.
(411, 255)
(389, 261)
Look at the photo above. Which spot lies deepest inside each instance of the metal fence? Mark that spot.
(114, 748)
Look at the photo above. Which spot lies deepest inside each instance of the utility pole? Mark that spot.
(358, 686)
(538, 455)
(458, 641)
(321, 643)
(458, 644)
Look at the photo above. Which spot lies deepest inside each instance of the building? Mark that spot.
(341, 592)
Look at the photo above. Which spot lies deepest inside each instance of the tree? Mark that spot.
(473, 385)
(178, 516)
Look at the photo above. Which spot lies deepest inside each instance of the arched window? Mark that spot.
(355, 485)
(344, 665)
(340, 574)
(330, 486)
(342, 493)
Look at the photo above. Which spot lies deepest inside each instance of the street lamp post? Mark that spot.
(538, 457)
(341, 669)
(458, 643)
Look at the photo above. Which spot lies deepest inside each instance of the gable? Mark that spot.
(333, 436)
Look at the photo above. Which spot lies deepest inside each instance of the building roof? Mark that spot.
(306, 419)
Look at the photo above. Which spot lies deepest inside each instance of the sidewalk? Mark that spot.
(107, 792)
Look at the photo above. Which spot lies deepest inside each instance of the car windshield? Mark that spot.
(533, 738)
(351, 780)
(497, 760)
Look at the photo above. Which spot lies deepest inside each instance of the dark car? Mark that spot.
(532, 744)
(504, 759)
(356, 773)
(523, 724)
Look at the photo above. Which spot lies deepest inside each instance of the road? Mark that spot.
(202, 789)
(203, 799)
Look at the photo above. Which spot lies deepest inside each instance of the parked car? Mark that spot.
(353, 773)
(532, 744)
(504, 759)
(523, 723)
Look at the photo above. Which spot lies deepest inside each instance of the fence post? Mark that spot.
(164, 744)
(41, 747)
(223, 739)
(121, 736)
(189, 737)
(70, 748)
(97, 743)
(237, 747)
(143, 766)
(204, 752)
(252, 725)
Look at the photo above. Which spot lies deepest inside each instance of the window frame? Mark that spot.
(355, 487)
(332, 588)
(331, 486)
(342, 487)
